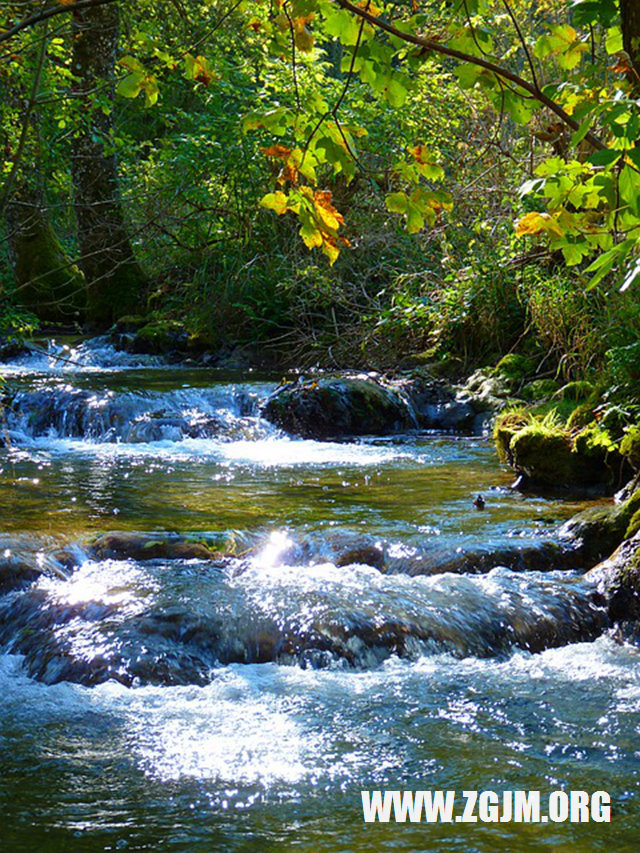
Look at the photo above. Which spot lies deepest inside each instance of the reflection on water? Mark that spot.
(354, 692)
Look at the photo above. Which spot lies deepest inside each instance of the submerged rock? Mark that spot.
(366, 555)
(16, 573)
(144, 624)
(337, 407)
(154, 546)
(541, 556)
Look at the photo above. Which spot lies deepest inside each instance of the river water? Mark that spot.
(242, 702)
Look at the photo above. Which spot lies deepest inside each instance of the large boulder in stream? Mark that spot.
(596, 532)
(552, 458)
(339, 406)
(618, 579)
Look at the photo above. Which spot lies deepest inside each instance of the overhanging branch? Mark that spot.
(52, 11)
(502, 73)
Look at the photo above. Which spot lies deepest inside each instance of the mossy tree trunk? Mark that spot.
(47, 282)
(630, 19)
(114, 278)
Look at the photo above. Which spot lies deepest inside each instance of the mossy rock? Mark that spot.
(335, 407)
(618, 579)
(515, 367)
(448, 367)
(418, 359)
(599, 530)
(545, 457)
(130, 323)
(581, 416)
(594, 442)
(539, 389)
(630, 447)
(155, 546)
(201, 342)
(634, 525)
(506, 426)
(160, 337)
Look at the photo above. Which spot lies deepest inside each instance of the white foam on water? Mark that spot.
(274, 452)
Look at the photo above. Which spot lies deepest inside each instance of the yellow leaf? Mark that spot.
(311, 236)
(276, 201)
(330, 217)
(538, 223)
(531, 223)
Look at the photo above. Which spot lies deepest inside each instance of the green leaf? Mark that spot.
(131, 85)
(397, 202)
(603, 264)
(344, 26)
(630, 188)
(613, 42)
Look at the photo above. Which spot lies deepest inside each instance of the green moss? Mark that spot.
(577, 391)
(594, 442)
(630, 447)
(506, 426)
(539, 389)
(581, 416)
(544, 450)
(514, 367)
(634, 525)
(48, 284)
(160, 336)
(544, 454)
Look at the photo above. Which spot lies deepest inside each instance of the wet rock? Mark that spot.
(337, 407)
(480, 560)
(208, 618)
(366, 555)
(149, 337)
(16, 573)
(72, 412)
(11, 349)
(618, 579)
(144, 546)
(596, 532)
(549, 457)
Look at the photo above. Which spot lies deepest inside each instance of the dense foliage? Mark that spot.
(338, 182)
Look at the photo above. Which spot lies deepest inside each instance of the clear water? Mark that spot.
(272, 756)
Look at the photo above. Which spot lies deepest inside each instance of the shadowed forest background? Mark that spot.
(139, 141)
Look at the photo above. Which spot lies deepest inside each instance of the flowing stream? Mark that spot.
(358, 624)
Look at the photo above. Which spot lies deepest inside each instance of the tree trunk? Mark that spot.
(114, 278)
(630, 21)
(47, 282)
